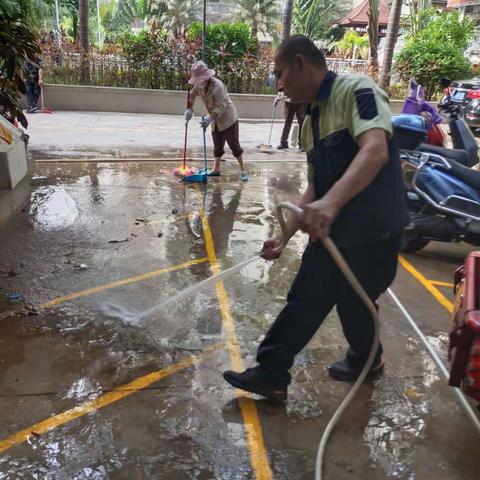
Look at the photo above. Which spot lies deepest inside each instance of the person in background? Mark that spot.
(291, 110)
(222, 115)
(33, 82)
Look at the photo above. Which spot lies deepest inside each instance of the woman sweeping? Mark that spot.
(222, 114)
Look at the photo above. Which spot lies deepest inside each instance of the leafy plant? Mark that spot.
(316, 18)
(353, 45)
(225, 42)
(17, 42)
(261, 16)
(437, 50)
(179, 14)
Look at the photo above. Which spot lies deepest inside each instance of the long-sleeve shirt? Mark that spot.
(217, 102)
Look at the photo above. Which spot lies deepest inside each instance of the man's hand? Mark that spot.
(272, 248)
(317, 218)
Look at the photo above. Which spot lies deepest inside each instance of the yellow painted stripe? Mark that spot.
(439, 296)
(120, 283)
(103, 400)
(253, 428)
(439, 283)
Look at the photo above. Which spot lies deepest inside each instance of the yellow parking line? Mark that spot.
(441, 284)
(103, 400)
(256, 444)
(439, 296)
(120, 283)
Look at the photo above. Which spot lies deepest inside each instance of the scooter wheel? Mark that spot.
(413, 244)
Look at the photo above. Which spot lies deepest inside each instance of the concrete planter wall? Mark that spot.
(167, 102)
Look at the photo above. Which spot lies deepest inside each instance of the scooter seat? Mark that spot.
(460, 156)
(469, 176)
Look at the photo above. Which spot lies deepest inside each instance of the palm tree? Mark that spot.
(33, 12)
(390, 41)
(83, 8)
(417, 7)
(179, 14)
(261, 15)
(315, 18)
(131, 13)
(287, 19)
(372, 29)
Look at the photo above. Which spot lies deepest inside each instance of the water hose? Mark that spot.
(345, 269)
(352, 280)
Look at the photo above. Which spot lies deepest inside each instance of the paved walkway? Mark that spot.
(73, 134)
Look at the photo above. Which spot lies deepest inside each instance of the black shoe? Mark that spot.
(282, 146)
(348, 370)
(250, 381)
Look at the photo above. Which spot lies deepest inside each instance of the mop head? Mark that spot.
(184, 172)
(264, 148)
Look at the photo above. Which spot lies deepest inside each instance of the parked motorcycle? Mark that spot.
(443, 193)
(411, 133)
(443, 200)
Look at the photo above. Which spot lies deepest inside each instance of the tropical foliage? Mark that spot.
(179, 14)
(436, 50)
(353, 45)
(316, 18)
(225, 42)
(260, 15)
(17, 42)
(152, 59)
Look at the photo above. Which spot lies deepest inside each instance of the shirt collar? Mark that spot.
(326, 86)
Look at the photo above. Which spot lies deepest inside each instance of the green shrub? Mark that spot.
(226, 42)
(436, 51)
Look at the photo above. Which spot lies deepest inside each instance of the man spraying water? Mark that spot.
(355, 194)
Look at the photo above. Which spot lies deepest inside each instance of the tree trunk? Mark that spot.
(83, 13)
(287, 19)
(390, 41)
(372, 68)
(254, 30)
(83, 10)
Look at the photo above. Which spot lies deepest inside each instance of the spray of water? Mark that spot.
(137, 319)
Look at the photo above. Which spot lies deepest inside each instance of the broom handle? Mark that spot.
(186, 133)
(185, 147)
(204, 145)
(271, 126)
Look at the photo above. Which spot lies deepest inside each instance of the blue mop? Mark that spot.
(202, 175)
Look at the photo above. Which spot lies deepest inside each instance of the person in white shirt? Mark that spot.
(222, 115)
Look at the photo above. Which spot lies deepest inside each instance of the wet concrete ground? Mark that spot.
(87, 226)
(114, 135)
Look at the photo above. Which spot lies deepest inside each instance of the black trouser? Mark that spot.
(32, 92)
(291, 110)
(317, 288)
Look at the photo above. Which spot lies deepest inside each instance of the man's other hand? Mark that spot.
(272, 248)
